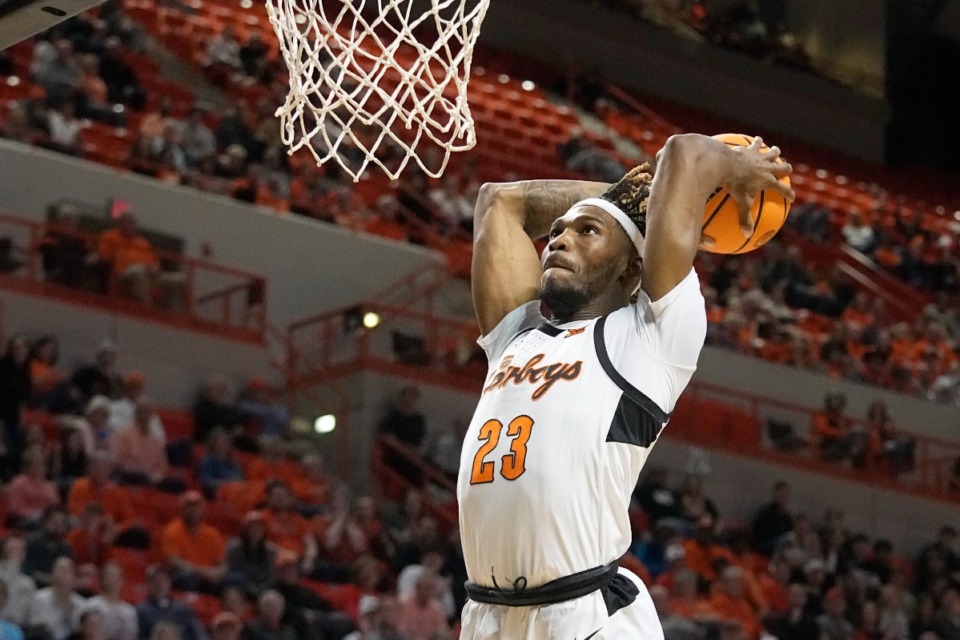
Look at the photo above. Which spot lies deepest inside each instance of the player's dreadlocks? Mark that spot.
(631, 194)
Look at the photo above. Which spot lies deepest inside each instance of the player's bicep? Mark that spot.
(506, 268)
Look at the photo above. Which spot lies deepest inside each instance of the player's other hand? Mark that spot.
(754, 170)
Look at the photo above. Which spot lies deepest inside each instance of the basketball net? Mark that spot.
(364, 89)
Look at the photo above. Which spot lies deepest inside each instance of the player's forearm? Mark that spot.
(536, 202)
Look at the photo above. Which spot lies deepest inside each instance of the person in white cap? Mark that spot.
(571, 407)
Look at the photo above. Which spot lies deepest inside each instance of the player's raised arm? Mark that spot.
(508, 218)
(689, 168)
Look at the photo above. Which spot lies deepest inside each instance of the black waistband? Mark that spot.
(559, 590)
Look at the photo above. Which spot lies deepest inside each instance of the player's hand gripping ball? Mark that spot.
(729, 226)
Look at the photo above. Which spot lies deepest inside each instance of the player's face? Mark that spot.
(586, 254)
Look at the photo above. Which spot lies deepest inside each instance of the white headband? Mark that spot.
(628, 225)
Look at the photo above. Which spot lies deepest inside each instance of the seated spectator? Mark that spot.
(832, 623)
(213, 410)
(693, 504)
(674, 627)
(159, 608)
(431, 562)
(198, 142)
(253, 55)
(141, 456)
(702, 551)
(94, 426)
(857, 234)
(449, 200)
(45, 375)
(69, 460)
(89, 625)
(59, 74)
(579, 155)
(311, 486)
(56, 609)
(288, 529)
(9, 630)
(367, 519)
(272, 464)
(731, 603)
(19, 586)
(92, 540)
(64, 250)
(119, 616)
(888, 448)
(658, 501)
(218, 465)
(269, 623)
(193, 549)
(171, 154)
(302, 604)
(796, 623)
(256, 405)
(123, 409)
(63, 128)
(422, 615)
(250, 556)
(946, 623)
(17, 126)
(222, 56)
(30, 494)
(134, 263)
(121, 79)
(233, 601)
(154, 123)
(97, 488)
(97, 379)
(341, 539)
(46, 545)
(226, 626)
(833, 429)
(94, 95)
(686, 601)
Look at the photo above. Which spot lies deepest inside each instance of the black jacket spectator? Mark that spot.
(15, 390)
(46, 545)
(211, 410)
(773, 520)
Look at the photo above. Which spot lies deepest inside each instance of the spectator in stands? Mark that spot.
(15, 390)
(693, 503)
(94, 97)
(45, 375)
(656, 499)
(194, 550)
(133, 262)
(56, 608)
(946, 623)
(369, 619)
(233, 601)
(171, 154)
(30, 494)
(119, 616)
(226, 626)
(858, 235)
(90, 625)
(69, 460)
(892, 620)
(9, 630)
(431, 562)
(212, 410)
(945, 549)
(288, 529)
(46, 545)
(886, 446)
(311, 486)
(199, 144)
(123, 409)
(340, 537)
(141, 456)
(63, 128)
(773, 520)
(154, 123)
(674, 627)
(222, 56)
(16, 125)
(97, 488)
(19, 586)
(256, 405)
(302, 604)
(269, 624)
(455, 209)
(730, 601)
(832, 623)
(160, 607)
(218, 466)
(272, 463)
(58, 75)
(165, 631)
(93, 538)
(367, 519)
(421, 614)
(580, 156)
(795, 623)
(232, 128)
(253, 56)
(121, 79)
(832, 429)
(98, 379)
(250, 556)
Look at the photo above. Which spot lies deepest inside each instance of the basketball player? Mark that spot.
(571, 407)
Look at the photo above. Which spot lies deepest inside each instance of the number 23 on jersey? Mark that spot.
(513, 464)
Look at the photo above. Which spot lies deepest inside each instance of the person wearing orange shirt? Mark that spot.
(311, 486)
(272, 464)
(96, 487)
(30, 493)
(141, 456)
(702, 553)
(832, 428)
(288, 529)
(686, 600)
(133, 261)
(194, 550)
(730, 601)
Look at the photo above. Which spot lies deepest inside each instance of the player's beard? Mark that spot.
(566, 296)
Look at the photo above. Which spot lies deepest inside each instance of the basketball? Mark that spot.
(721, 218)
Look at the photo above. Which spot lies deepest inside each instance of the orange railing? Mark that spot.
(214, 298)
(439, 502)
(332, 345)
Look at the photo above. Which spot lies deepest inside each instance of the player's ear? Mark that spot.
(632, 272)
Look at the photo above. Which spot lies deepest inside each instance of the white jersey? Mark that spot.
(566, 421)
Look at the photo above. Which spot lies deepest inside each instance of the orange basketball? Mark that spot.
(721, 219)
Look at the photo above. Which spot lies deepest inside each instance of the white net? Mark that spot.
(364, 89)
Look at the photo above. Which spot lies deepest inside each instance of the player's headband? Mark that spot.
(633, 232)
